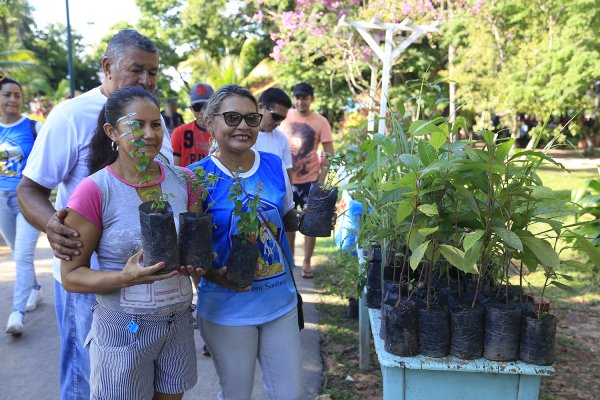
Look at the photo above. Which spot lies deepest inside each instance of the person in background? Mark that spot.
(59, 158)
(191, 141)
(170, 115)
(274, 105)
(305, 130)
(145, 316)
(261, 322)
(17, 135)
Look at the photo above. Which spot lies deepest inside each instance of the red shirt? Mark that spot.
(190, 142)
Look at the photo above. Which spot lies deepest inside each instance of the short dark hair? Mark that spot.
(6, 81)
(101, 153)
(273, 96)
(127, 38)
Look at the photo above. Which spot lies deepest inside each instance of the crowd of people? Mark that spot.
(126, 331)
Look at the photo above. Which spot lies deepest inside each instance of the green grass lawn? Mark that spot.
(564, 182)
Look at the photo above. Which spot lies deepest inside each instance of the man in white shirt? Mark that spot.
(274, 105)
(59, 158)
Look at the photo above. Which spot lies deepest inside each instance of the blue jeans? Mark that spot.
(21, 238)
(74, 318)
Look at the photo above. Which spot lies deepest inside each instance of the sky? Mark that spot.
(91, 19)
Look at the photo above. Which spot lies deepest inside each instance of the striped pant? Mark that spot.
(160, 356)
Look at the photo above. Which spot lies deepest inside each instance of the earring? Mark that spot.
(114, 146)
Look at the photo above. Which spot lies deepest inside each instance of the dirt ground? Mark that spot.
(577, 354)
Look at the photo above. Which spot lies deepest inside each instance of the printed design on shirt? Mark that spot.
(271, 260)
(11, 158)
(302, 144)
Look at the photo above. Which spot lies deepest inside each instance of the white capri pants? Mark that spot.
(276, 344)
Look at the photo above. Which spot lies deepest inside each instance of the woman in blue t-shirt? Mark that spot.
(17, 134)
(240, 325)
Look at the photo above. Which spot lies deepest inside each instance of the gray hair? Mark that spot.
(127, 38)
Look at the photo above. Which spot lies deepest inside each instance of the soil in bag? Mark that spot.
(352, 308)
(537, 339)
(434, 331)
(466, 332)
(241, 262)
(390, 296)
(319, 211)
(195, 240)
(159, 236)
(502, 332)
(401, 329)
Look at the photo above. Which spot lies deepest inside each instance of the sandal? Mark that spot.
(307, 274)
(205, 351)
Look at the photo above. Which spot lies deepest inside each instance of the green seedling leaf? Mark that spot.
(510, 238)
(592, 251)
(428, 231)
(472, 238)
(488, 137)
(542, 250)
(427, 153)
(411, 161)
(438, 139)
(503, 149)
(563, 287)
(417, 255)
(405, 208)
(428, 209)
(457, 258)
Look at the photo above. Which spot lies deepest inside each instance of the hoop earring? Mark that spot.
(114, 146)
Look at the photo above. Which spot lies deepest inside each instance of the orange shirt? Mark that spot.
(305, 134)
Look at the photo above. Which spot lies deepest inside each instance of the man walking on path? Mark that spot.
(305, 130)
(59, 158)
(191, 141)
(274, 105)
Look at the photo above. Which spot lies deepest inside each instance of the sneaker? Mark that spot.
(15, 323)
(34, 299)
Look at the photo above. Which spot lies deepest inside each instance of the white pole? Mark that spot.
(372, 94)
(385, 79)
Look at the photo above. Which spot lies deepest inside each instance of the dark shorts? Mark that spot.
(301, 194)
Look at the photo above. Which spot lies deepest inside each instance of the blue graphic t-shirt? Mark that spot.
(273, 294)
(16, 142)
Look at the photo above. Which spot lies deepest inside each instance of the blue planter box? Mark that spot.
(451, 378)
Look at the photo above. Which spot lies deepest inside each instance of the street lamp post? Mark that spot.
(70, 53)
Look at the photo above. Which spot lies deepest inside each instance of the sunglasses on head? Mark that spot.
(197, 107)
(233, 118)
(276, 117)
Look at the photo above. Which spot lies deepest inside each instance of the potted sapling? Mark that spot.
(195, 227)
(322, 198)
(159, 235)
(243, 255)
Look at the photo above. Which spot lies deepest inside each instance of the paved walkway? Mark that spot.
(29, 364)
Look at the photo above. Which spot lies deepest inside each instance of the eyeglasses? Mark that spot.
(276, 117)
(197, 107)
(233, 118)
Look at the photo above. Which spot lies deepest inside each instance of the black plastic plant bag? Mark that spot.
(373, 298)
(374, 274)
(159, 236)
(466, 332)
(241, 262)
(320, 208)
(352, 308)
(401, 329)
(434, 331)
(195, 240)
(537, 338)
(502, 332)
(390, 296)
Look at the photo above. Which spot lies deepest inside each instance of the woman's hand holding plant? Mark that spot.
(134, 273)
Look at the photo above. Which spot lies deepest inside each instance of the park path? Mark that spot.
(29, 364)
